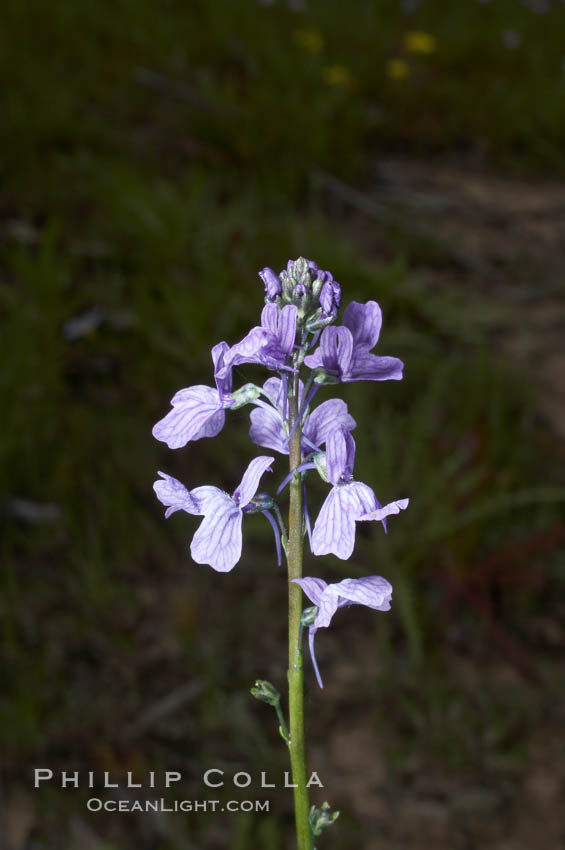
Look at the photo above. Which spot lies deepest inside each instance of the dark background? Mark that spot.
(155, 156)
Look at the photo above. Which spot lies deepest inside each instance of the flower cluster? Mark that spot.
(297, 333)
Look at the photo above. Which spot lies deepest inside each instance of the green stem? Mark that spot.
(282, 722)
(295, 671)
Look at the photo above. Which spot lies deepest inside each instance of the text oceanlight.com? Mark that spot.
(95, 804)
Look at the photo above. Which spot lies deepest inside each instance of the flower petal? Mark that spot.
(334, 530)
(312, 587)
(269, 318)
(315, 360)
(327, 417)
(340, 456)
(364, 321)
(218, 539)
(281, 330)
(272, 283)
(206, 495)
(174, 494)
(251, 478)
(373, 591)
(273, 387)
(381, 513)
(197, 412)
(287, 328)
(369, 367)
(267, 429)
(224, 384)
(337, 348)
(245, 351)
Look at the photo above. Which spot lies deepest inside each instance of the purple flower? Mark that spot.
(373, 592)
(175, 496)
(272, 283)
(347, 502)
(281, 329)
(345, 350)
(218, 539)
(330, 295)
(269, 345)
(270, 430)
(198, 411)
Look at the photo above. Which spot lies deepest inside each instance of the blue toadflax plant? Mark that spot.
(297, 335)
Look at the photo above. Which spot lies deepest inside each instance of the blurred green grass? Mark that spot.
(154, 159)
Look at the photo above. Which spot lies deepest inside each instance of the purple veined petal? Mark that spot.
(272, 283)
(327, 607)
(337, 348)
(329, 342)
(280, 328)
(267, 429)
(326, 298)
(327, 417)
(311, 637)
(206, 495)
(334, 531)
(224, 385)
(273, 388)
(246, 351)
(370, 367)
(287, 327)
(218, 539)
(314, 361)
(379, 514)
(175, 496)
(197, 412)
(340, 456)
(312, 587)
(269, 318)
(364, 321)
(251, 478)
(372, 591)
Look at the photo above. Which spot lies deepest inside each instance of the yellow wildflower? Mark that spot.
(337, 75)
(310, 40)
(397, 69)
(419, 42)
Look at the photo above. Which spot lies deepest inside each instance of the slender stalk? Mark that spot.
(295, 671)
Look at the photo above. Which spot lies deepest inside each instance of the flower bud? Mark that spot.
(321, 467)
(265, 692)
(317, 322)
(314, 292)
(325, 376)
(260, 502)
(308, 616)
(272, 283)
(244, 395)
(320, 818)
